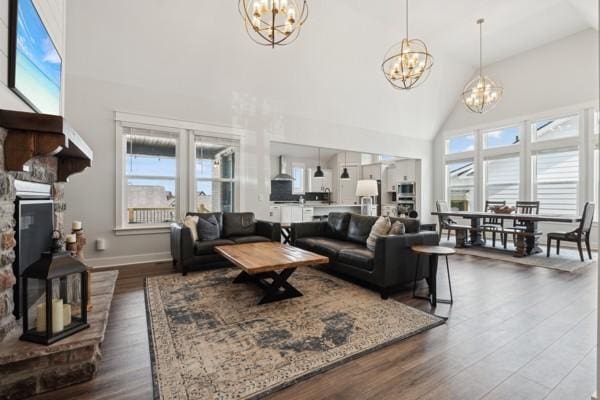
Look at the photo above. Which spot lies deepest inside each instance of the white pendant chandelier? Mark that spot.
(481, 94)
(407, 64)
(273, 22)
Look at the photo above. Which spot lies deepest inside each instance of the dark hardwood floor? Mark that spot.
(514, 332)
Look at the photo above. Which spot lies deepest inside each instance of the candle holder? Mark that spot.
(56, 318)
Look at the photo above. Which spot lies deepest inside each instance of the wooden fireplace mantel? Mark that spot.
(30, 135)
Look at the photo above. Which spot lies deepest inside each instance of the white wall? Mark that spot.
(535, 83)
(53, 15)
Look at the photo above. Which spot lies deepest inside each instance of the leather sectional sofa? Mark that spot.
(343, 239)
(233, 228)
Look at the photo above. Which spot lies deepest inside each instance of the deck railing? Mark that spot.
(150, 215)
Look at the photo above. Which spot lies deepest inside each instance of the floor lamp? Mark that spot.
(366, 189)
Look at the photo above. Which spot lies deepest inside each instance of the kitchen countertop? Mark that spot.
(316, 204)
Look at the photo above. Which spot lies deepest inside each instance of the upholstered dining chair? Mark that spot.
(582, 233)
(446, 222)
(493, 224)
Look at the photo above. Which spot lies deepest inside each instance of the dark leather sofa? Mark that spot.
(343, 239)
(234, 228)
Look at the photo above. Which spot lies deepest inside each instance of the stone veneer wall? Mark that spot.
(41, 170)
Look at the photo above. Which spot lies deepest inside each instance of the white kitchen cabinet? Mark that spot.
(372, 171)
(307, 214)
(290, 213)
(275, 213)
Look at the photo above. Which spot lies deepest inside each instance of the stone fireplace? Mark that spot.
(38, 153)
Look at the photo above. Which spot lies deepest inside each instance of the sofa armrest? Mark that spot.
(306, 229)
(182, 243)
(391, 242)
(271, 230)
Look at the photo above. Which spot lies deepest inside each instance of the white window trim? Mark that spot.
(185, 181)
(586, 141)
(303, 166)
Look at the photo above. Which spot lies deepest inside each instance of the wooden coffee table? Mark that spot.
(269, 265)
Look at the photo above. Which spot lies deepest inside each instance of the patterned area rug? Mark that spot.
(210, 340)
(568, 259)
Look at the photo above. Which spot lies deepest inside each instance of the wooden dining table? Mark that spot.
(527, 242)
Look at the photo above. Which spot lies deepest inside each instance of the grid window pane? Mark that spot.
(150, 174)
(215, 165)
(502, 179)
(461, 189)
(556, 128)
(501, 137)
(557, 178)
(460, 144)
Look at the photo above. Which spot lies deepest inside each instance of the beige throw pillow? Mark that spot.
(397, 228)
(381, 227)
(192, 223)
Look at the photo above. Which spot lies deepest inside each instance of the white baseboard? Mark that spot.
(107, 262)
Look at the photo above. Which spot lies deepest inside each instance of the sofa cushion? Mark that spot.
(217, 215)
(205, 247)
(412, 225)
(208, 228)
(326, 246)
(238, 224)
(337, 225)
(380, 228)
(361, 258)
(248, 239)
(308, 243)
(359, 227)
(191, 222)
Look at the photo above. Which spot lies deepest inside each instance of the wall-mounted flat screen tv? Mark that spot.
(34, 65)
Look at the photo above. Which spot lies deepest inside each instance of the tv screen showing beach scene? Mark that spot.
(35, 65)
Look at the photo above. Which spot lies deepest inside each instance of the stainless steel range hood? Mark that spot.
(282, 175)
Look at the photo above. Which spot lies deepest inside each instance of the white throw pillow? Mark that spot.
(381, 227)
(192, 223)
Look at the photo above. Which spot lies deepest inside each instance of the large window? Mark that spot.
(215, 174)
(501, 137)
(556, 128)
(150, 175)
(460, 144)
(556, 181)
(461, 185)
(502, 179)
(298, 175)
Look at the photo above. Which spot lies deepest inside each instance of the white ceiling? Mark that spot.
(199, 49)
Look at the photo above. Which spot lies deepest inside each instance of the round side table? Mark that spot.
(433, 252)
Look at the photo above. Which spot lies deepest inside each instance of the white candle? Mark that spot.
(57, 316)
(71, 238)
(76, 225)
(66, 314)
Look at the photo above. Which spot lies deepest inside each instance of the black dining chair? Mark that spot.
(493, 224)
(446, 222)
(582, 233)
(521, 207)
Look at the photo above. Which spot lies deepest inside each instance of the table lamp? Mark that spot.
(366, 189)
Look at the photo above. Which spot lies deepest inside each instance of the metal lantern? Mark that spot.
(273, 22)
(60, 310)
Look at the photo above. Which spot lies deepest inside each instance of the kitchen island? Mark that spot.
(289, 212)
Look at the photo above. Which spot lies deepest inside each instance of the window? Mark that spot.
(461, 185)
(502, 179)
(215, 174)
(501, 137)
(298, 175)
(556, 128)
(150, 176)
(596, 179)
(556, 181)
(460, 144)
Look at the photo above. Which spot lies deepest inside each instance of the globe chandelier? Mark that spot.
(407, 64)
(481, 94)
(273, 22)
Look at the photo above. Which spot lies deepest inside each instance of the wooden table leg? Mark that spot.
(476, 239)
(461, 238)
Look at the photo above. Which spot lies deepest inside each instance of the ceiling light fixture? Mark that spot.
(407, 64)
(345, 175)
(273, 22)
(481, 94)
(319, 172)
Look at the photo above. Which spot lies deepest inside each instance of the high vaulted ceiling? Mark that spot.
(199, 49)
